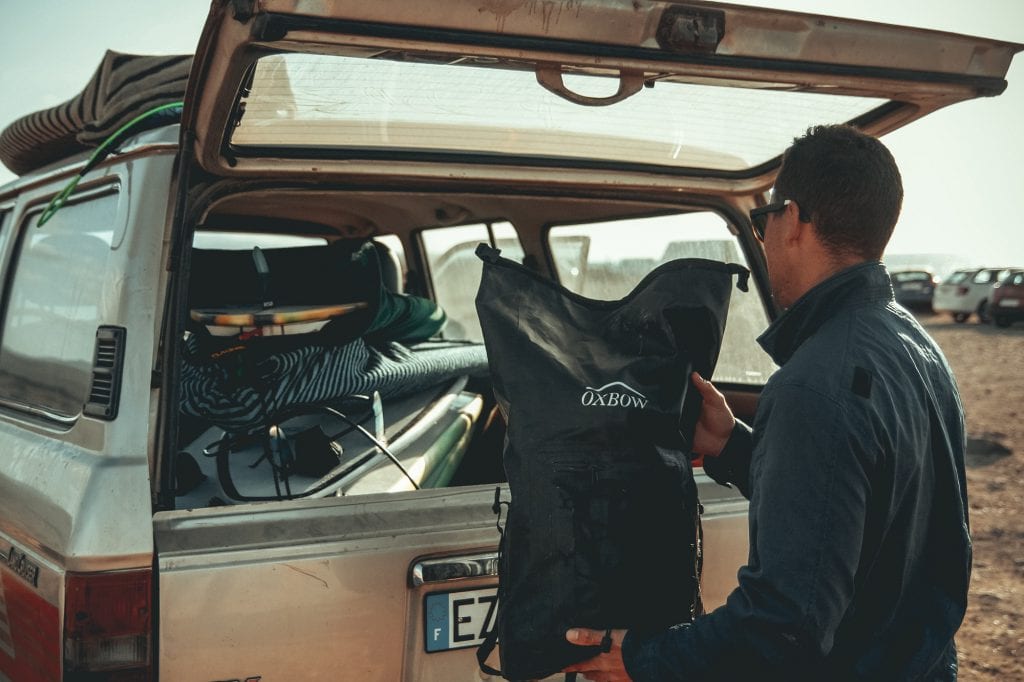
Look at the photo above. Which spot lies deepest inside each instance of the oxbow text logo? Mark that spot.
(615, 394)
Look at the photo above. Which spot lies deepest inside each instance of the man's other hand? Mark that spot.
(716, 420)
(603, 667)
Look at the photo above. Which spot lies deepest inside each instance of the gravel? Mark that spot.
(989, 367)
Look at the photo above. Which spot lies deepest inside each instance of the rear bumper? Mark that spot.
(1006, 312)
(915, 299)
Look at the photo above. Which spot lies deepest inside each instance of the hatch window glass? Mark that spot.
(606, 260)
(474, 106)
(455, 270)
(61, 292)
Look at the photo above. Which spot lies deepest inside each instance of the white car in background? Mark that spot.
(967, 292)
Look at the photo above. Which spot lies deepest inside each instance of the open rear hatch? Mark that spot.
(695, 89)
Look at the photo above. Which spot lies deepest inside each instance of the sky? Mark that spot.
(962, 167)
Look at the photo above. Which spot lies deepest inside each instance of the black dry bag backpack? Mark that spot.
(603, 530)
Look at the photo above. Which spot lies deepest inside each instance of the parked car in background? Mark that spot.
(967, 292)
(1007, 304)
(914, 288)
(938, 263)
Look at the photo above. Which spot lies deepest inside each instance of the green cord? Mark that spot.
(58, 201)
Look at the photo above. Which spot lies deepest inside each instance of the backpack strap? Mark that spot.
(484, 651)
(490, 641)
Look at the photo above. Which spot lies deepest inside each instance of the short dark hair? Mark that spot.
(847, 182)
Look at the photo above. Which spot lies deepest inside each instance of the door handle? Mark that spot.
(550, 77)
(447, 569)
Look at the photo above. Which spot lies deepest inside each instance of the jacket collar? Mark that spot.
(861, 283)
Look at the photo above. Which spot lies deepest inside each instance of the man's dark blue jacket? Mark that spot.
(860, 551)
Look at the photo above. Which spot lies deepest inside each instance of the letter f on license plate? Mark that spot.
(457, 620)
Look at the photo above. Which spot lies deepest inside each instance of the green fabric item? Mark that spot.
(405, 318)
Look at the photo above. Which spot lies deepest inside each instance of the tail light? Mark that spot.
(108, 626)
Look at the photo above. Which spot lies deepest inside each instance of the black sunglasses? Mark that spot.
(759, 215)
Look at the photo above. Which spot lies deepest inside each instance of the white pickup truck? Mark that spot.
(140, 539)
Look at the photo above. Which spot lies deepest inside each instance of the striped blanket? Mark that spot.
(124, 86)
(316, 375)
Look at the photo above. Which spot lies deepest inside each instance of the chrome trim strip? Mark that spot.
(39, 412)
(430, 571)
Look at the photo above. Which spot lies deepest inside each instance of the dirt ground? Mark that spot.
(989, 367)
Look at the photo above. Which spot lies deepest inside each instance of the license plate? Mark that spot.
(1009, 302)
(913, 286)
(458, 620)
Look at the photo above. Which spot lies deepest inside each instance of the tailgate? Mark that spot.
(382, 587)
(318, 589)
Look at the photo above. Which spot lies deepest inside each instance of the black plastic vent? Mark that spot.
(105, 392)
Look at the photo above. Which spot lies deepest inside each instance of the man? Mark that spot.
(860, 551)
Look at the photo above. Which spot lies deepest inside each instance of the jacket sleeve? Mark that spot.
(807, 508)
(732, 465)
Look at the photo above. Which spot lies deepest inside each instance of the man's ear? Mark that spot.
(796, 229)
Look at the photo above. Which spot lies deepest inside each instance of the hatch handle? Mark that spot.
(550, 76)
(431, 571)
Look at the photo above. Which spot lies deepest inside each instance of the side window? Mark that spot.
(983, 277)
(244, 241)
(213, 239)
(455, 270)
(606, 260)
(55, 304)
